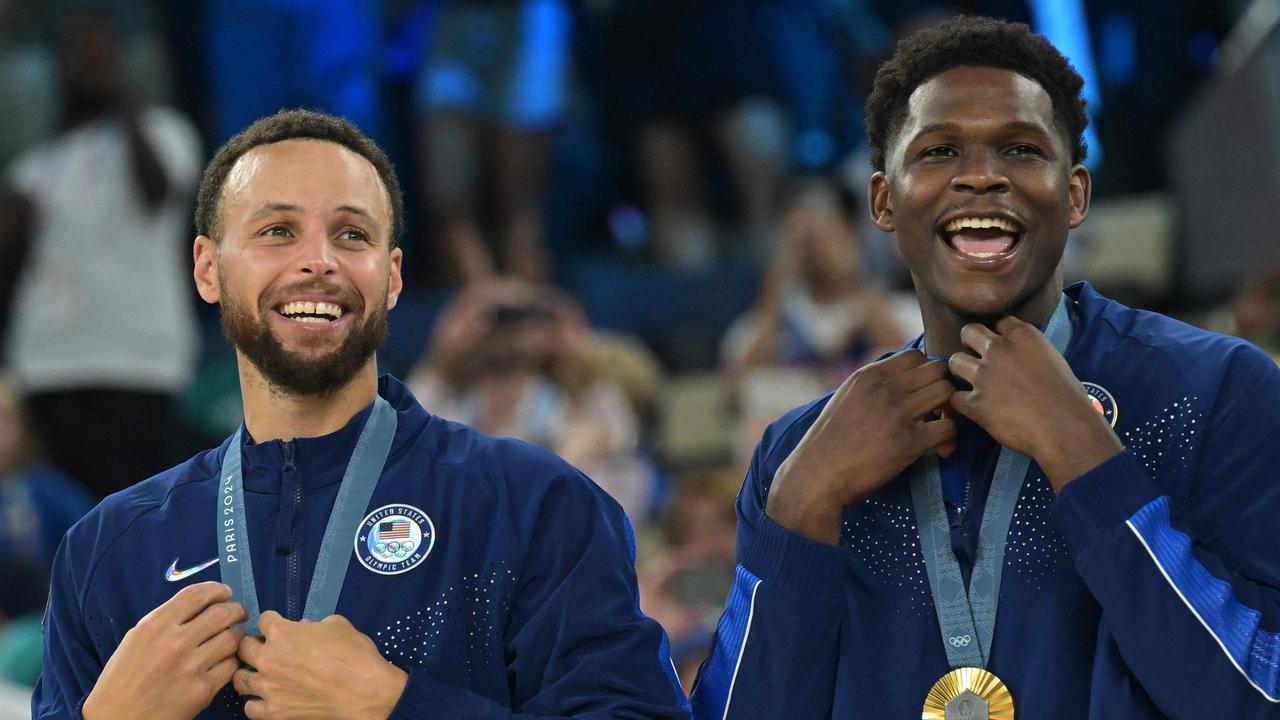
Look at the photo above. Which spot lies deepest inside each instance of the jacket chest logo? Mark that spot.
(1103, 401)
(394, 539)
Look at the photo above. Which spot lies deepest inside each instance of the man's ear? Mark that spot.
(879, 201)
(1081, 193)
(397, 281)
(205, 254)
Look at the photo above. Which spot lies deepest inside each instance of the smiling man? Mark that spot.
(1050, 506)
(375, 561)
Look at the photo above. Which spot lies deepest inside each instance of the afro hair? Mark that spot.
(973, 41)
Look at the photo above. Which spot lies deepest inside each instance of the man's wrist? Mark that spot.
(1075, 450)
(390, 688)
(799, 505)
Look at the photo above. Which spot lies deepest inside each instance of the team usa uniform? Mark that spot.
(1147, 589)
(496, 575)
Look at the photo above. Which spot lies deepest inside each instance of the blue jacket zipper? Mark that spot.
(287, 531)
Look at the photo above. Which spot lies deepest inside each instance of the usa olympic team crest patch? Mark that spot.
(394, 538)
(1103, 402)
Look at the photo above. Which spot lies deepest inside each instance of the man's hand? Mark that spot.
(174, 661)
(878, 422)
(1026, 396)
(317, 671)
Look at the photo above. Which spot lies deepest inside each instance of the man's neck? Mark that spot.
(942, 324)
(274, 414)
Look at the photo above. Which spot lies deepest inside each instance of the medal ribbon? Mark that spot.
(968, 618)
(358, 482)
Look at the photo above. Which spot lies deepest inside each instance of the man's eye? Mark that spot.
(939, 151)
(354, 235)
(1025, 150)
(277, 231)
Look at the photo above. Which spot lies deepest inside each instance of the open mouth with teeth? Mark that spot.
(982, 239)
(311, 312)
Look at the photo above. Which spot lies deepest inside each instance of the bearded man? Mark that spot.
(405, 566)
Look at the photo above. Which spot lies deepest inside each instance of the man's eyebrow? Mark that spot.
(937, 127)
(273, 208)
(359, 211)
(1024, 126)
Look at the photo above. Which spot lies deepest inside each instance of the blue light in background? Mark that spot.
(1064, 23)
(1118, 55)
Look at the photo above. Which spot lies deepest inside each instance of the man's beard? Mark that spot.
(292, 372)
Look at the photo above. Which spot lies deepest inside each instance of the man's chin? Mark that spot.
(318, 376)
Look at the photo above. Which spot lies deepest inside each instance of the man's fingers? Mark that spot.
(190, 601)
(220, 647)
(242, 680)
(269, 621)
(978, 337)
(922, 376)
(964, 366)
(216, 618)
(928, 399)
(337, 619)
(963, 403)
(256, 710)
(939, 433)
(250, 649)
(1008, 324)
(902, 362)
(220, 674)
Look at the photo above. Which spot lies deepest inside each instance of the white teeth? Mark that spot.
(307, 308)
(979, 222)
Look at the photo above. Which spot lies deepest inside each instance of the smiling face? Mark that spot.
(980, 189)
(304, 272)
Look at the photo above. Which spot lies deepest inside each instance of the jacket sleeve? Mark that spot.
(777, 643)
(1188, 578)
(71, 663)
(577, 644)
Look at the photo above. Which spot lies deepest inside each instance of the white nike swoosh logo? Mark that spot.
(173, 574)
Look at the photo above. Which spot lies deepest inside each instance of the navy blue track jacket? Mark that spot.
(526, 605)
(1149, 589)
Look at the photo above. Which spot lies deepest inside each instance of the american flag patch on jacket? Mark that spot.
(394, 530)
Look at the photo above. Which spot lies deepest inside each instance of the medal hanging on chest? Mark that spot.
(967, 616)
(363, 471)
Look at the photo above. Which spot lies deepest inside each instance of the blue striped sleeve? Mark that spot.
(1254, 652)
(715, 690)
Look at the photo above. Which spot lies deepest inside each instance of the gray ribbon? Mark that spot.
(361, 477)
(968, 619)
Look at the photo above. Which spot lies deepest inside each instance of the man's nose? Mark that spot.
(315, 254)
(980, 173)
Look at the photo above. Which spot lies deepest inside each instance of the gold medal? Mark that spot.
(968, 693)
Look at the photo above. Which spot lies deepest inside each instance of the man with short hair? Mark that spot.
(405, 566)
(1050, 505)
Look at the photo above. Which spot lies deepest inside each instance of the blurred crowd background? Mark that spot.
(636, 228)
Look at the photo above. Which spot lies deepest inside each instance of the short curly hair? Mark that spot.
(970, 40)
(292, 125)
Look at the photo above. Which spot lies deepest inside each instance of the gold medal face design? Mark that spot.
(968, 693)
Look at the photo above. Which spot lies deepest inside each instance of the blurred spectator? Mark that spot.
(684, 584)
(101, 329)
(684, 72)
(513, 359)
(37, 505)
(491, 93)
(1254, 312)
(817, 318)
